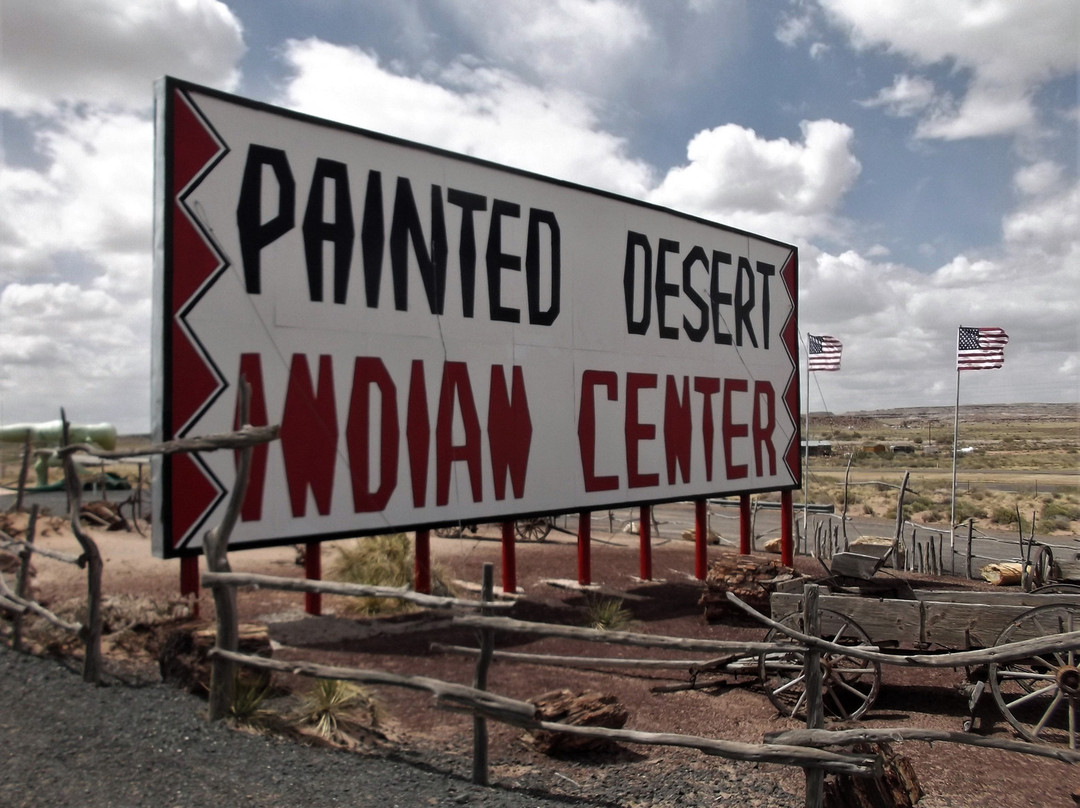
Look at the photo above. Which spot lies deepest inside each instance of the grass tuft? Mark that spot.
(607, 614)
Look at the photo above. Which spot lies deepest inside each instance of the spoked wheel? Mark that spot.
(1060, 588)
(1040, 695)
(850, 685)
(535, 529)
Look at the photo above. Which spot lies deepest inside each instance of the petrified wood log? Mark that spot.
(105, 514)
(183, 658)
(897, 787)
(752, 579)
(588, 709)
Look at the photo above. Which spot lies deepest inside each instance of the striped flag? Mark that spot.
(824, 352)
(980, 348)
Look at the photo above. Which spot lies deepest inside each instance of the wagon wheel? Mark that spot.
(1061, 588)
(535, 529)
(850, 685)
(1042, 568)
(448, 531)
(1040, 695)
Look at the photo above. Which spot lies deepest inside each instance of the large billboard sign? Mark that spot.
(443, 339)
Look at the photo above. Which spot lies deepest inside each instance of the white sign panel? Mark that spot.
(443, 339)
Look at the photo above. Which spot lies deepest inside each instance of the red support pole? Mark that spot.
(745, 539)
(701, 539)
(189, 581)
(787, 518)
(644, 543)
(422, 562)
(509, 559)
(313, 572)
(584, 548)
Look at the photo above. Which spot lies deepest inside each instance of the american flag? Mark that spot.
(824, 352)
(980, 348)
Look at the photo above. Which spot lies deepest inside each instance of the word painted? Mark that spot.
(646, 273)
(677, 424)
(379, 412)
(330, 224)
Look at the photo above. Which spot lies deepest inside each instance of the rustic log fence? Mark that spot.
(14, 600)
(798, 748)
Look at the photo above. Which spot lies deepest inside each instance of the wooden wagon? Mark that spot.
(1039, 696)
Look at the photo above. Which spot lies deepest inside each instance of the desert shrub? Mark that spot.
(249, 694)
(1003, 515)
(920, 502)
(382, 561)
(607, 614)
(334, 709)
(1056, 508)
(1057, 524)
(968, 510)
(867, 509)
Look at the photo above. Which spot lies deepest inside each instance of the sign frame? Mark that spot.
(743, 371)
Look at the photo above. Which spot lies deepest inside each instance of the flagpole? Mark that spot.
(955, 438)
(806, 457)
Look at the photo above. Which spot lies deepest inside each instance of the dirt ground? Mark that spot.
(721, 706)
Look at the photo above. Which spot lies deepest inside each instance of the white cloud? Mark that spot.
(69, 346)
(478, 111)
(1009, 49)
(583, 44)
(76, 204)
(110, 51)
(738, 178)
(1038, 178)
(793, 28)
(94, 198)
(1049, 228)
(908, 95)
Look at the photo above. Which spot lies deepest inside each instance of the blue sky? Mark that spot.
(922, 155)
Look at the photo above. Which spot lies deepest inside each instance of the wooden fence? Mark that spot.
(14, 600)
(17, 601)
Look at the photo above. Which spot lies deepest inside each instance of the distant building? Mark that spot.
(817, 448)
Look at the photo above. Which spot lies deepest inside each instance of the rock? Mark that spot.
(587, 709)
(711, 538)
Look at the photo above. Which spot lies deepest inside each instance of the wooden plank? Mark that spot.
(1068, 569)
(855, 565)
(963, 626)
(886, 621)
(1008, 598)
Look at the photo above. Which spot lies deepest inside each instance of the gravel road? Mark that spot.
(67, 743)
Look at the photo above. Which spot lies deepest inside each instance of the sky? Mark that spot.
(923, 156)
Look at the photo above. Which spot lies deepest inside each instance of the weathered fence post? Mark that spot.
(23, 575)
(91, 631)
(483, 662)
(899, 522)
(815, 703)
(23, 468)
(215, 547)
(971, 527)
